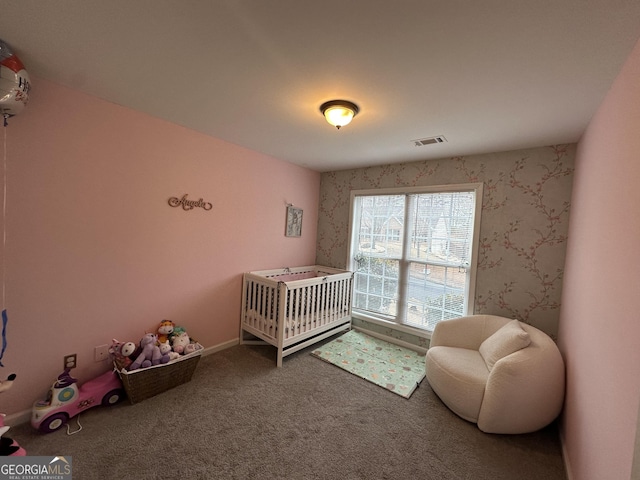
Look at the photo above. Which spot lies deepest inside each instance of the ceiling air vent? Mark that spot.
(421, 142)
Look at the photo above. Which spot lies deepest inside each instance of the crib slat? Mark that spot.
(281, 319)
(290, 315)
(264, 317)
(302, 304)
(338, 303)
(325, 300)
(313, 291)
(272, 314)
(268, 309)
(293, 313)
(302, 307)
(320, 300)
(256, 296)
(329, 313)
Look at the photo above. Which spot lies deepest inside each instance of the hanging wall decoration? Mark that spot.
(189, 204)
(14, 83)
(294, 222)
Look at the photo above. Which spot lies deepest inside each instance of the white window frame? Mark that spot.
(470, 289)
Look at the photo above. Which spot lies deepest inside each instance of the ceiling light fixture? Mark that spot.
(339, 112)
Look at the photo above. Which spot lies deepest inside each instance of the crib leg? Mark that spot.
(279, 361)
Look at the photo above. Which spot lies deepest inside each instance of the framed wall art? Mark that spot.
(294, 222)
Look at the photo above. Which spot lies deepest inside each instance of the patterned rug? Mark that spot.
(390, 366)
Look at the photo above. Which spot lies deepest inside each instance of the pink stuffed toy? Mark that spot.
(120, 353)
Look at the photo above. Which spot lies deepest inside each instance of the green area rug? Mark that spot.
(398, 369)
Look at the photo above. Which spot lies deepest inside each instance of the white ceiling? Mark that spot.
(488, 75)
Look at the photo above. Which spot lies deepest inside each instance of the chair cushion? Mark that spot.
(508, 339)
(458, 376)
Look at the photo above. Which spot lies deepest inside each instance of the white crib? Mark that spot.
(292, 308)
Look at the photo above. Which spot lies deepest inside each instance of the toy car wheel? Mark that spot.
(114, 396)
(54, 422)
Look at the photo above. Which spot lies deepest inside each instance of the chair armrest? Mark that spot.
(466, 332)
(524, 391)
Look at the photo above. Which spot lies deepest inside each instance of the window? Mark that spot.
(414, 252)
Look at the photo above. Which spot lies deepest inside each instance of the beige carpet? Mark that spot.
(243, 418)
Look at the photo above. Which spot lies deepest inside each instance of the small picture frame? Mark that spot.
(294, 222)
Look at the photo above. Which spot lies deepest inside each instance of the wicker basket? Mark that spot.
(147, 382)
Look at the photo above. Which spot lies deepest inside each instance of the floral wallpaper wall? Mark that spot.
(523, 231)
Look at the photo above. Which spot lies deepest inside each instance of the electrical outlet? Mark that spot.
(70, 361)
(101, 353)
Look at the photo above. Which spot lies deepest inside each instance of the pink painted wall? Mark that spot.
(94, 251)
(599, 323)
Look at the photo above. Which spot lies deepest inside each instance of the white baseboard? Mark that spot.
(565, 457)
(25, 416)
(220, 347)
(17, 418)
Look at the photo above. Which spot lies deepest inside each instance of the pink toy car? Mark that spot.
(66, 399)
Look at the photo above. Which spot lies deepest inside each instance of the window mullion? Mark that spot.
(403, 274)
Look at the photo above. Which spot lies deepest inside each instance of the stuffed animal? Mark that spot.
(179, 342)
(165, 349)
(183, 344)
(177, 330)
(164, 330)
(192, 347)
(150, 354)
(121, 352)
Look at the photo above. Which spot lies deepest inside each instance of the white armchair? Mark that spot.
(504, 375)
